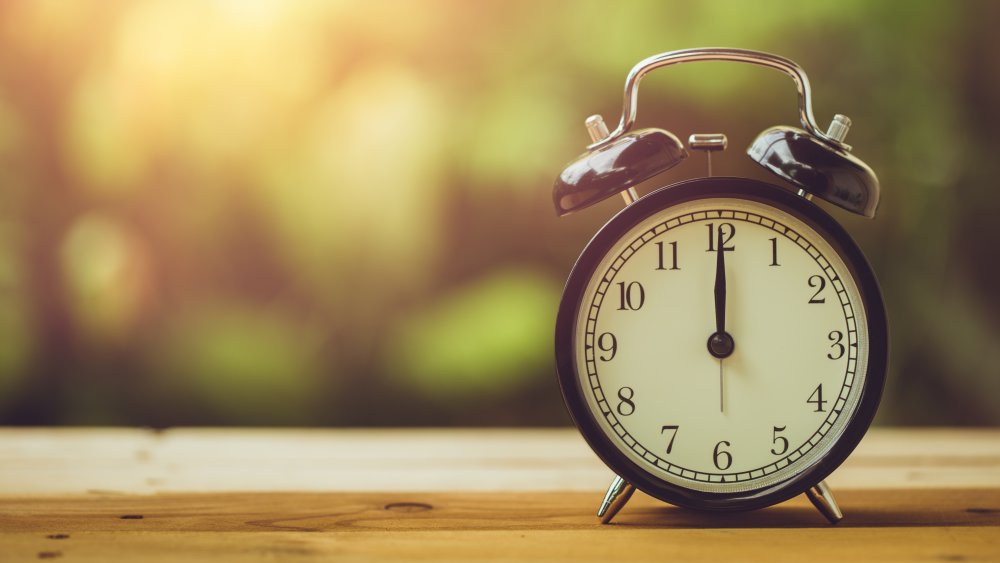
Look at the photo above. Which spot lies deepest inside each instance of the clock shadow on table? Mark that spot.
(909, 509)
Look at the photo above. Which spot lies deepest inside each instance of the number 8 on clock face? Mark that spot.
(721, 344)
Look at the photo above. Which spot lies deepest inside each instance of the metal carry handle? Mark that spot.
(759, 58)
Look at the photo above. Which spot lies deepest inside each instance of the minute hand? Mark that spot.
(720, 289)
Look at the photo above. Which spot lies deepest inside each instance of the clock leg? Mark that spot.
(618, 494)
(823, 500)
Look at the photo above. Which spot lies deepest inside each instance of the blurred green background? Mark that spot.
(339, 213)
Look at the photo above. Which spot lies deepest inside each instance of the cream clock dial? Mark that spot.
(797, 323)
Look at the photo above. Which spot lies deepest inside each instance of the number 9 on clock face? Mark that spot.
(722, 343)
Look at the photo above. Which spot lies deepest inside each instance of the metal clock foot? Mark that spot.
(823, 500)
(618, 494)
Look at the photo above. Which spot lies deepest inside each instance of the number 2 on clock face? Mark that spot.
(754, 417)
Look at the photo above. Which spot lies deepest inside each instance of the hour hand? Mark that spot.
(720, 287)
(720, 343)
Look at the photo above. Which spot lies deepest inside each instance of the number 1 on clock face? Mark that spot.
(750, 413)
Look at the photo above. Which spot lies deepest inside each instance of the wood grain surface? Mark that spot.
(459, 495)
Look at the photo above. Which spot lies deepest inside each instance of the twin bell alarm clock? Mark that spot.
(721, 342)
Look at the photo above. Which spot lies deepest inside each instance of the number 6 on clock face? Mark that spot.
(754, 422)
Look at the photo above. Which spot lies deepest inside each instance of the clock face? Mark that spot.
(755, 410)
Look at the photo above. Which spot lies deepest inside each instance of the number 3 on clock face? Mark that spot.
(753, 422)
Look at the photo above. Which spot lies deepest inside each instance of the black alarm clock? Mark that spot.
(721, 342)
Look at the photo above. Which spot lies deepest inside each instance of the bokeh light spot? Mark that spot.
(491, 335)
(243, 364)
(108, 275)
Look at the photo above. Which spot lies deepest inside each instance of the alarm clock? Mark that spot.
(721, 342)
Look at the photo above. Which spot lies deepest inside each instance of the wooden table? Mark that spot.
(343, 495)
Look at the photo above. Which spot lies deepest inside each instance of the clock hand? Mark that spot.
(721, 394)
(720, 305)
(720, 288)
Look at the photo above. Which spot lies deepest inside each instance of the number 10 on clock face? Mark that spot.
(720, 345)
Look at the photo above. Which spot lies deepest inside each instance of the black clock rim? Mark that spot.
(740, 188)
